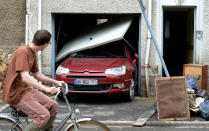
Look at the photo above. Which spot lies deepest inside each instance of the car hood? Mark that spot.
(93, 64)
(102, 34)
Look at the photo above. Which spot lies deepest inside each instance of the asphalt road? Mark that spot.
(119, 115)
(107, 108)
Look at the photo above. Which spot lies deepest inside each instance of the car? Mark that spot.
(100, 62)
(105, 69)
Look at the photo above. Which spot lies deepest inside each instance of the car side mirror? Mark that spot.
(136, 56)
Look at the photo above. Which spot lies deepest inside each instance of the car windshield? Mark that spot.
(112, 50)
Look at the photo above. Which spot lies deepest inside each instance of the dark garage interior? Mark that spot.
(68, 26)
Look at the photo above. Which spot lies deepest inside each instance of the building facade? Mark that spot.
(180, 28)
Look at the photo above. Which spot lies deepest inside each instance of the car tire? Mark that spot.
(130, 95)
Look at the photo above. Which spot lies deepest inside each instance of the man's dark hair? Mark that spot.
(41, 37)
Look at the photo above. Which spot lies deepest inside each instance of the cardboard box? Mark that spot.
(195, 70)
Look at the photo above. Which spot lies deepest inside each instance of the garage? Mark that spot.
(67, 27)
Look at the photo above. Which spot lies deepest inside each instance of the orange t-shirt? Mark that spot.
(23, 59)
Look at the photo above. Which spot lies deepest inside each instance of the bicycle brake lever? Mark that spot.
(58, 91)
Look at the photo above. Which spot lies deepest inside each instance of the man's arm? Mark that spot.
(29, 80)
(43, 78)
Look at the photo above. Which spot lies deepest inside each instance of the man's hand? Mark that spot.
(59, 83)
(52, 90)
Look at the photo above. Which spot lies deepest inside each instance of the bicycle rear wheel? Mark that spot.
(8, 125)
(89, 125)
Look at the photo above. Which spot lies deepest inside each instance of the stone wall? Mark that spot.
(12, 31)
(12, 22)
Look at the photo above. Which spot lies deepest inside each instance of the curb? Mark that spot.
(109, 123)
(178, 123)
(152, 123)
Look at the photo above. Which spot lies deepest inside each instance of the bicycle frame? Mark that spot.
(72, 114)
(62, 123)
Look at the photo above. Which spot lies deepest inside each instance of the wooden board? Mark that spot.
(143, 118)
(171, 96)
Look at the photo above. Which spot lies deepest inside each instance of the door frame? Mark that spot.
(161, 30)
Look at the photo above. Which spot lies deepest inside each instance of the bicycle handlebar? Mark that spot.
(63, 88)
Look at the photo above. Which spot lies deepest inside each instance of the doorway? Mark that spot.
(178, 38)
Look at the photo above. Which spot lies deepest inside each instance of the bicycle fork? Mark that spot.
(75, 125)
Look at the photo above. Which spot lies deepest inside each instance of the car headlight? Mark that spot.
(116, 71)
(62, 70)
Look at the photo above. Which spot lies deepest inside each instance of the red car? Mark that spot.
(100, 61)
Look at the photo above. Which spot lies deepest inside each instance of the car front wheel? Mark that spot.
(130, 95)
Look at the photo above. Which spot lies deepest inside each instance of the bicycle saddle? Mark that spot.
(17, 113)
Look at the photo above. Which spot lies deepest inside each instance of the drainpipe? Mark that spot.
(26, 28)
(39, 27)
(148, 50)
(153, 38)
(26, 22)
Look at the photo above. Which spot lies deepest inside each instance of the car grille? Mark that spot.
(92, 77)
(90, 88)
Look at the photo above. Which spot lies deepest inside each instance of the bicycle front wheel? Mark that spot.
(89, 125)
(8, 125)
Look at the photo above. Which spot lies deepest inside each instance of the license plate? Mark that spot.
(85, 82)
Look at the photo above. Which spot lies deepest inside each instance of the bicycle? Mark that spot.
(14, 118)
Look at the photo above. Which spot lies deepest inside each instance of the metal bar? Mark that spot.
(53, 46)
(153, 38)
(195, 39)
(62, 123)
(139, 53)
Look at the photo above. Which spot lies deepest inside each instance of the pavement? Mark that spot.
(114, 112)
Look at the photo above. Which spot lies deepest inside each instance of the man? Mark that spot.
(21, 90)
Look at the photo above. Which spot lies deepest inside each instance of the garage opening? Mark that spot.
(178, 38)
(68, 26)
